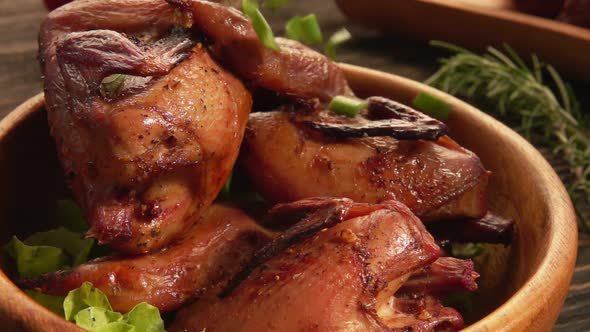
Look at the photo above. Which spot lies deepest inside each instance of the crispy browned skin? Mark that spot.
(340, 279)
(145, 163)
(294, 70)
(211, 252)
(446, 275)
(287, 161)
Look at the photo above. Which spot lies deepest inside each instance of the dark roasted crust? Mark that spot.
(385, 117)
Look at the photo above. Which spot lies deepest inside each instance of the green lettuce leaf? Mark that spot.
(90, 309)
(52, 250)
(72, 243)
(146, 318)
(32, 261)
(96, 317)
(81, 298)
(116, 327)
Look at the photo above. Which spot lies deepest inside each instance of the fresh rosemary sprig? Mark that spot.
(549, 117)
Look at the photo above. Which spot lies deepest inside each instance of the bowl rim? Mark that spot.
(563, 242)
(561, 249)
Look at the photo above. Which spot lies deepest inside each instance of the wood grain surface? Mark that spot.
(20, 78)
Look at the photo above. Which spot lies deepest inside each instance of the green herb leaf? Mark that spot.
(336, 40)
(347, 106)
(263, 30)
(81, 298)
(432, 106)
(69, 215)
(92, 318)
(305, 29)
(466, 250)
(116, 327)
(53, 303)
(548, 115)
(112, 84)
(145, 318)
(32, 261)
(72, 243)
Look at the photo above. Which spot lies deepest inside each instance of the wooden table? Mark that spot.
(20, 78)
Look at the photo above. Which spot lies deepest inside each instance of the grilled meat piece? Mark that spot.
(342, 278)
(446, 275)
(215, 249)
(287, 161)
(145, 163)
(146, 159)
(294, 70)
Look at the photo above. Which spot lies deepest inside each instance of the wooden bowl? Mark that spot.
(522, 287)
(476, 24)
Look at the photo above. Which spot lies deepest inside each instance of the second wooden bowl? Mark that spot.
(522, 287)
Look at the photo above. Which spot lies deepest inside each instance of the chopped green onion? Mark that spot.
(263, 30)
(347, 106)
(112, 84)
(305, 29)
(432, 106)
(466, 250)
(275, 4)
(335, 40)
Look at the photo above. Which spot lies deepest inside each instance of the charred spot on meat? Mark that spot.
(385, 117)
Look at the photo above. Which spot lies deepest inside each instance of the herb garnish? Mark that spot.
(347, 106)
(263, 30)
(339, 37)
(548, 116)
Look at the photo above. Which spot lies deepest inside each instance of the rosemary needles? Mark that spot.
(548, 115)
